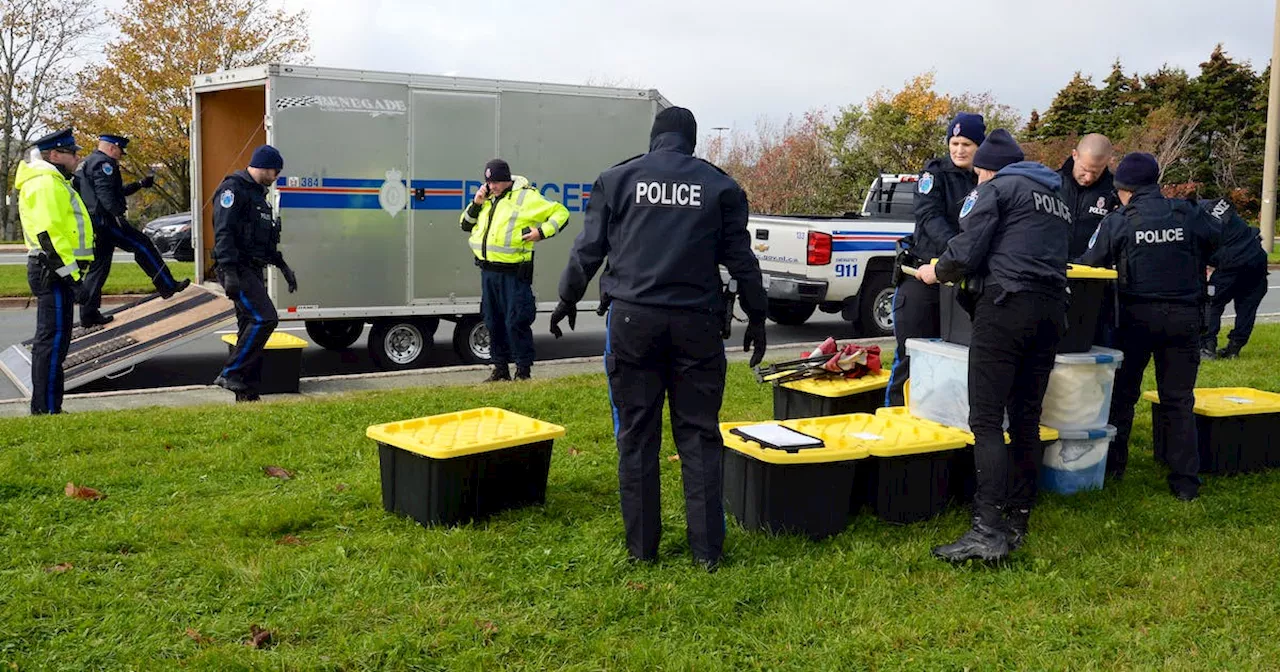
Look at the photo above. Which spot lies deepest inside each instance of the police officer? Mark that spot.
(1012, 252)
(666, 221)
(104, 191)
(1239, 276)
(505, 219)
(246, 237)
(1087, 189)
(1160, 248)
(59, 238)
(940, 191)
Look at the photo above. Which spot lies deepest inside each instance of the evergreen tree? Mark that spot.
(1071, 109)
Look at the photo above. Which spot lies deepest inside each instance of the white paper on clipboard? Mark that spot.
(779, 436)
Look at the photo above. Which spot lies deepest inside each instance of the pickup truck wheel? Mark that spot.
(471, 340)
(335, 334)
(790, 313)
(877, 305)
(396, 344)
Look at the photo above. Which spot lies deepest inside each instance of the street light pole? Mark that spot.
(1272, 143)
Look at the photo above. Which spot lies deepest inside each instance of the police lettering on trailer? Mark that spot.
(677, 194)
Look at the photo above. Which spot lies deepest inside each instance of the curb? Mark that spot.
(24, 302)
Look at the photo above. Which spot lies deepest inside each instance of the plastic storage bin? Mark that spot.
(806, 492)
(939, 382)
(1079, 392)
(817, 397)
(457, 467)
(915, 472)
(281, 362)
(963, 477)
(1087, 286)
(1238, 429)
(1076, 461)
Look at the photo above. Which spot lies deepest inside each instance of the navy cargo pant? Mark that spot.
(256, 319)
(1015, 337)
(1169, 333)
(1244, 287)
(54, 303)
(653, 355)
(916, 314)
(106, 238)
(509, 309)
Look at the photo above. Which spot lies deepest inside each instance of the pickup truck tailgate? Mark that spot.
(782, 247)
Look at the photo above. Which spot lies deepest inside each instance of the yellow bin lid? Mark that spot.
(1226, 402)
(277, 341)
(1081, 272)
(901, 413)
(849, 437)
(835, 388)
(464, 433)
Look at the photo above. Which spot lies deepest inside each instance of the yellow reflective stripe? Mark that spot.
(515, 216)
(83, 250)
(67, 270)
(498, 249)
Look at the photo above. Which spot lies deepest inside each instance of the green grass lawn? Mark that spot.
(194, 545)
(126, 278)
(1274, 257)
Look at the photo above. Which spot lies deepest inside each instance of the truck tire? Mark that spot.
(471, 340)
(399, 343)
(335, 334)
(876, 299)
(790, 313)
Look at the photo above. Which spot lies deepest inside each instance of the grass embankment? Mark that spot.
(194, 545)
(126, 278)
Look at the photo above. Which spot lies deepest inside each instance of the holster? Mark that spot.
(904, 257)
(967, 294)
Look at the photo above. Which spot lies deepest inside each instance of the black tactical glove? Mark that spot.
(148, 181)
(755, 340)
(230, 280)
(290, 278)
(563, 309)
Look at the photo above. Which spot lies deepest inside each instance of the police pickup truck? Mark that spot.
(837, 264)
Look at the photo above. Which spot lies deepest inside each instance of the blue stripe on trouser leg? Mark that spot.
(144, 248)
(248, 340)
(55, 356)
(608, 349)
(897, 356)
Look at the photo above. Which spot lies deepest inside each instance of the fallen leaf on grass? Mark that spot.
(168, 447)
(258, 638)
(59, 568)
(289, 540)
(341, 487)
(197, 637)
(634, 585)
(81, 492)
(574, 452)
(488, 628)
(673, 458)
(278, 472)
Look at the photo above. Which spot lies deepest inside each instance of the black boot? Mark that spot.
(1232, 351)
(1017, 520)
(94, 320)
(523, 373)
(500, 374)
(1207, 354)
(182, 284)
(987, 540)
(232, 384)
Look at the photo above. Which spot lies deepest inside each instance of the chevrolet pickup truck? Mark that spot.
(837, 264)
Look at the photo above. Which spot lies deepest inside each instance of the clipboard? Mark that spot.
(777, 437)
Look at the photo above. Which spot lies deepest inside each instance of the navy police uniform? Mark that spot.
(104, 193)
(1088, 205)
(1160, 248)
(666, 221)
(940, 193)
(1239, 277)
(246, 239)
(1011, 253)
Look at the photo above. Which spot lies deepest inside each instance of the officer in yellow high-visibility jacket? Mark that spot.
(505, 219)
(59, 237)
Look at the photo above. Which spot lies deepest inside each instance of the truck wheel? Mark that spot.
(335, 334)
(471, 340)
(790, 313)
(400, 343)
(877, 305)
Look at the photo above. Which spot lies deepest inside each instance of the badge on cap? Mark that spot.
(926, 182)
(488, 173)
(228, 199)
(955, 131)
(968, 203)
(107, 169)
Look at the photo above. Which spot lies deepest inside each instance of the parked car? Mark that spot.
(172, 236)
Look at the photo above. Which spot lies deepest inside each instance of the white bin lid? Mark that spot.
(1096, 355)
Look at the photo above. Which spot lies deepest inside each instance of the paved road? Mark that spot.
(197, 363)
(11, 258)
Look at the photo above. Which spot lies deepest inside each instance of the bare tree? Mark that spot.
(1165, 134)
(39, 40)
(1231, 157)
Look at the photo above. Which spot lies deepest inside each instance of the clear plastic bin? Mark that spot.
(1079, 393)
(1076, 461)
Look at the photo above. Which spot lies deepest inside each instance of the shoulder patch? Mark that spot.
(926, 182)
(969, 202)
(1094, 238)
(107, 169)
(228, 199)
